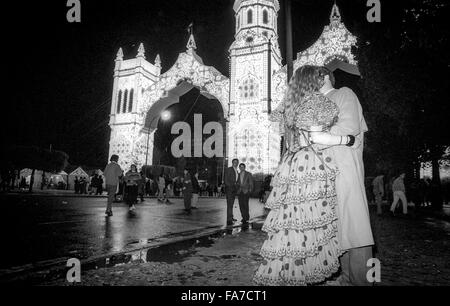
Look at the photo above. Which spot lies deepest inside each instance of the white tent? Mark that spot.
(78, 172)
(37, 176)
(57, 178)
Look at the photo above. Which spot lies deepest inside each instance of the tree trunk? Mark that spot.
(436, 196)
(30, 190)
(13, 180)
(417, 166)
(43, 180)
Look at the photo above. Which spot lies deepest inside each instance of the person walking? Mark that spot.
(94, 184)
(112, 174)
(187, 191)
(266, 188)
(428, 192)
(161, 188)
(99, 185)
(132, 179)
(195, 190)
(77, 185)
(141, 186)
(219, 190)
(245, 188)
(231, 181)
(83, 185)
(378, 191)
(398, 189)
(148, 187)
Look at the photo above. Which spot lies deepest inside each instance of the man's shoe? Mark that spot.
(234, 219)
(339, 281)
(194, 207)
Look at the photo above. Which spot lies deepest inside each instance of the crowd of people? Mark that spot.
(132, 185)
(89, 185)
(395, 191)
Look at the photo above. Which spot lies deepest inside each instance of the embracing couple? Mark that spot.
(318, 222)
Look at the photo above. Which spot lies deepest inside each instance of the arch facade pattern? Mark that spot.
(188, 68)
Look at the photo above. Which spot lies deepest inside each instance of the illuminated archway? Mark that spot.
(188, 72)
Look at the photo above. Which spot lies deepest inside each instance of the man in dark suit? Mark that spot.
(231, 177)
(245, 189)
(187, 191)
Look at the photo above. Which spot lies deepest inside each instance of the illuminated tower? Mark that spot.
(255, 57)
(131, 77)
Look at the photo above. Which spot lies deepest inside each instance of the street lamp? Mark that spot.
(165, 116)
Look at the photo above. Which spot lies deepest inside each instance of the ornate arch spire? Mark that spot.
(335, 16)
(119, 56)
(335, 42)
(141, 51)
(158, 61)
(191, 45)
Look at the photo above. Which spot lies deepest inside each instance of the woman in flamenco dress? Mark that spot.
(302, 246)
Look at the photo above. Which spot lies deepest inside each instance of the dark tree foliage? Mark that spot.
(404, 62)
(32, 157)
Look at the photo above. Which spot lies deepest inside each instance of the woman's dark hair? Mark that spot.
(114, 158)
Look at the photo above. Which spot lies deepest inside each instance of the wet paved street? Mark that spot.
(45, 228)
(413, 251)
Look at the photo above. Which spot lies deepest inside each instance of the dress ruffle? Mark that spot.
(294, 272)
(296, 216)
(302, 246)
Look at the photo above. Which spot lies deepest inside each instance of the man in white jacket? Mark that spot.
(112, 174)
(354, 230)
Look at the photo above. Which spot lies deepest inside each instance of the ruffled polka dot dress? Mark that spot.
(302, 246)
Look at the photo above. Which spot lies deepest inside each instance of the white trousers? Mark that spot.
(194, 199)
(400, 195)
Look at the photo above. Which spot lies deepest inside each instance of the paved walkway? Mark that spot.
(41, 229)
(412, 251)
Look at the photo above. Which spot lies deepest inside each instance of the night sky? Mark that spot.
(61, 73)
